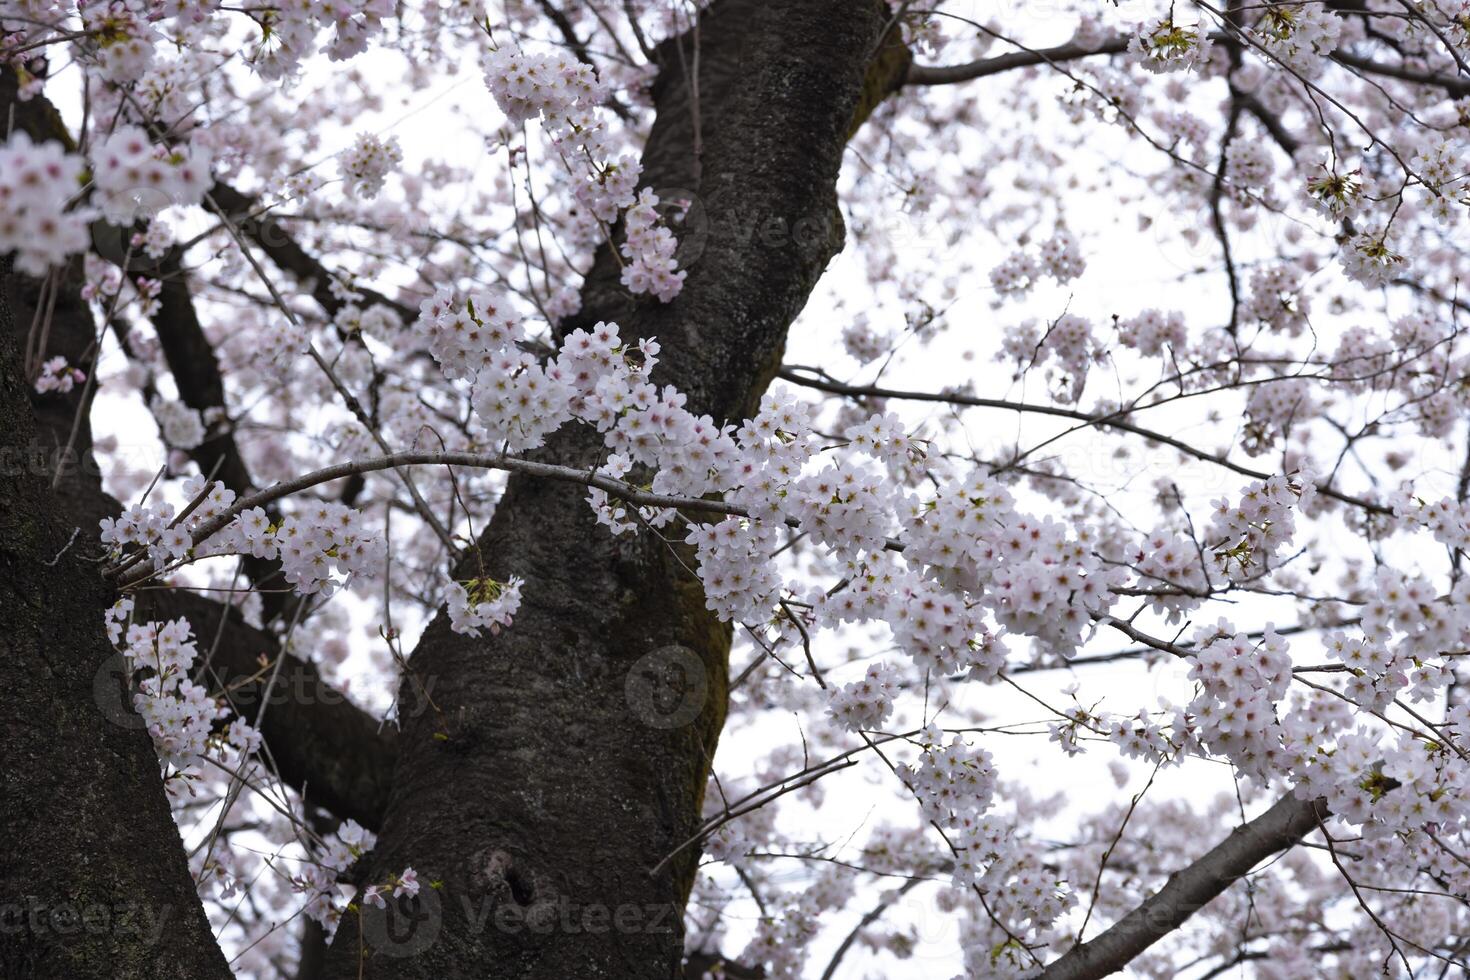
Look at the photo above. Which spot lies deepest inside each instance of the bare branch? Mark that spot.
(1456, 87)
(1189, 890)
(953, 74)
(280, 247)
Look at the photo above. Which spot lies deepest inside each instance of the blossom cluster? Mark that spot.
(466, 335)
(318, 878)
(37, 183)
(318, 546)
(649, 248)
(863, 341)
(1066, 348)
(1059, 257)
(1244, 537)
(1298, 35)
(955, 786)
(1241, 679)
(1153, 332)
(865, 704)
(941, 630)
(181, 426)
(367, 163)
(482, 602)
(566, 94)
(1164, 46)
(954, 783)
(1447, 519)
(294, 29)
(595, 378)
(126, 37)
(132, 172)
(1274, 410)
(1277, 300)
(1372, 258)
(1041, 579)
(154, 240)
(1337, 194)
(177, 712)
(528, 85)
(155, 528)
(405, 884)
(128, 42)
(738, 580)
(56, 375)
(1168, 564)
(781, 941)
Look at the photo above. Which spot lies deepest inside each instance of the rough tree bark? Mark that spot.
(82, 797)
(572, 750)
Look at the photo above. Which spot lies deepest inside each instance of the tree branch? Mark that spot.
(257, 224)
(983, 67)
(1109, 421)
(1189, 890)
(1272, 122)
(195, 369)
(1456, 87)
(954, 74)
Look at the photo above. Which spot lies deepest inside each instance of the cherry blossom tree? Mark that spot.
(665, 488)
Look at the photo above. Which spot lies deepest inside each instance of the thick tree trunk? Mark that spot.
(572, 750)
(93, 878)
